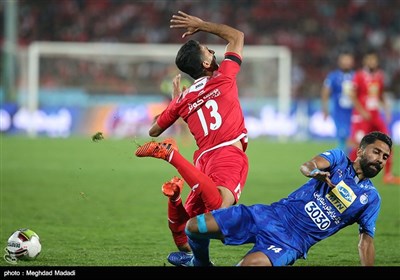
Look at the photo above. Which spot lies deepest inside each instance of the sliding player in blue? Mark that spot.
(339, 193)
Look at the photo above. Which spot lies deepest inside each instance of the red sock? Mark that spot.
(197, 181)
(177, 218)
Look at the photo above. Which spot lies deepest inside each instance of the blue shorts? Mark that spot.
(258, 224)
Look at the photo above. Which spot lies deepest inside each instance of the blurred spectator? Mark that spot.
(369, 101)
(335, 97)
(312, 29)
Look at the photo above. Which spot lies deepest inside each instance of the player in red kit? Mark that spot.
(212, 111)
(368, 99)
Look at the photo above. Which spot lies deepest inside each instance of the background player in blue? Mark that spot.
(339, 193)
(335, 95)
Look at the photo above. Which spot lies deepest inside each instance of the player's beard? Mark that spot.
(214, 65)
(368, 168)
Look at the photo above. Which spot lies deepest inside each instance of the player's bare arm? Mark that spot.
(234, 37)
(176, 86)
(155, 130)
(315, 167)
(366, 250)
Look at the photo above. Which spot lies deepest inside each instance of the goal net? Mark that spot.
(92, 73)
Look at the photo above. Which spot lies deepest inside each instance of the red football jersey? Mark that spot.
(210, 107)
(369, 89)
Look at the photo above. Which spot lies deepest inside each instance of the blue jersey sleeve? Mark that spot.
(334, 156)
(328, 81)
(367, 221)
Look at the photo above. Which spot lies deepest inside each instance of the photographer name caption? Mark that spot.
(39, 272)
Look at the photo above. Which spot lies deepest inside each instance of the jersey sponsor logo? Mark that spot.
(342, 196)
(317, 215)
(364, 199)
(213, 94)
(196, 104)
(346, 195)
(198, 85)
(336, 202)
(329, 210)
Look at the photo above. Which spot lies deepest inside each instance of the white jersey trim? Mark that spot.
(243, 135)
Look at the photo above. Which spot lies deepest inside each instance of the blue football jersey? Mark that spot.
(315, 211)
(340, 84)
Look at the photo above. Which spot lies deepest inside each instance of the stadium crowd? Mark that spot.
(313, 29)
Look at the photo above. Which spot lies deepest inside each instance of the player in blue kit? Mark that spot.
(339, 193)
(337, 88)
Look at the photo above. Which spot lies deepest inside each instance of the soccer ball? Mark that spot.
(24, 244)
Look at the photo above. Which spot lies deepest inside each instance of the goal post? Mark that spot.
(260, 63)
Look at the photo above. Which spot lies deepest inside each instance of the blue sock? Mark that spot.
(200, 248)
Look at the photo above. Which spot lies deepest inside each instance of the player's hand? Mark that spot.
(176, 86)
(183, 20)
(322, 176)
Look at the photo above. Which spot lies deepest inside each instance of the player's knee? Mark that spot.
(191, 226)
(196, 227)
(255, 259)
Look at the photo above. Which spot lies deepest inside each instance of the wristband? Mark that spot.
(312, 173)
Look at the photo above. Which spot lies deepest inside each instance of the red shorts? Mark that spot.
(226, 166)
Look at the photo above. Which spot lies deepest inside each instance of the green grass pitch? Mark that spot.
(96, 204)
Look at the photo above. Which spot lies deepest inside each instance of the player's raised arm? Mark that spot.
(234, 37)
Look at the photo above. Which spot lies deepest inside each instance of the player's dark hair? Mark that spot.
(345, 51)
(189, 59)
(371, 137)
(371, 51)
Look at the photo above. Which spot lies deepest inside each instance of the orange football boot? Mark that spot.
(173, 188)
(161, 150)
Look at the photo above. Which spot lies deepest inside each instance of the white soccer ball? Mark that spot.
(24, 244)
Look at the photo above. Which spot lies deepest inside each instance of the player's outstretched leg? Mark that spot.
(162, 150)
